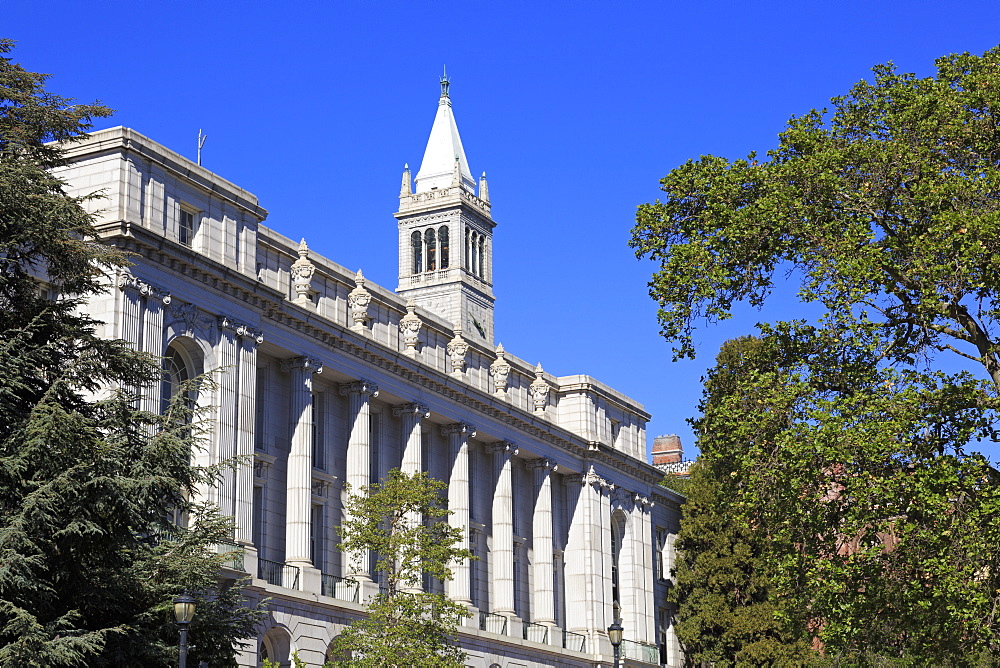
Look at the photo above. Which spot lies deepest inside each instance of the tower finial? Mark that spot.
(445, 83)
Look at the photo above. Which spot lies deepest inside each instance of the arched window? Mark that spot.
(474, 256)
(431, 250)
(176, 373)
(417, 247)
(617, 536)
(482, 256)
(443, 241)
(468, 249)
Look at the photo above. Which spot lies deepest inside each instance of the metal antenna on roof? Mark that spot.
(201, 143)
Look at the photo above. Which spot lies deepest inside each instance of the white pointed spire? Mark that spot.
(484, 188)
(444, 149)
(405, 186)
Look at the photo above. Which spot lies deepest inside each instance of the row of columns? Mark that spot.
(587, 575)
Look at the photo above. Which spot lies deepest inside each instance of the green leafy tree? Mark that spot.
(726, 614)
(403, 521)
(886, 209)
(89, 562)
(848, 453)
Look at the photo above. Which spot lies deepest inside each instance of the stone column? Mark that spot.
(227, 353)
(298, 489)
(460, 585)
(245, 437)
(413, 445)
(543, 602)
(503, 528)
(584, 558)
(130, 327)
(647, 577)
(412, 455)
(152, 331)
(359, 393)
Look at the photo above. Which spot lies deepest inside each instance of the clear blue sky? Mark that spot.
(574, 109)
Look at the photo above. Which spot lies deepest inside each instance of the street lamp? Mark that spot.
(184, 612)
(615, 636)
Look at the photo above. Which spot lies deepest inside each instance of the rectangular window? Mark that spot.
(187, 227)
(319, 431)
(260, 423)
(317, 538)
(374, 447)
(258, 520)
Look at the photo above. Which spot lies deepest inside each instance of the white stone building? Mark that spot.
(327, 379)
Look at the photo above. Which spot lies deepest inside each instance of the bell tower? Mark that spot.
(446, 232)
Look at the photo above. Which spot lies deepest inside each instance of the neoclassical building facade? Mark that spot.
(326, 380)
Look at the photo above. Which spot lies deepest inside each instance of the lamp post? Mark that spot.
(615, 636)
(183, 613)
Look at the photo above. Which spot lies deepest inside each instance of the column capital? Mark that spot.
(361, 386)
(411, 409)
(303, 362)
(241, 328)
(547, 465)
(458, 428)
(505, 447)
(590, 478)
(127, 281)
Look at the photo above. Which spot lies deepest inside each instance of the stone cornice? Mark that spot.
(276, 309)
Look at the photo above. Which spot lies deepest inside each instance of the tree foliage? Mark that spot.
(726, 614)
(403, 521)
(89, 562)
(887, 210)
(840, 454)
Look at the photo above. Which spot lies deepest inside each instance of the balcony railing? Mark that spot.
(345, 589)
(536, 632)
(574, 641)
(492, 622)
(279, 574)
(640, 651)
(234, 555)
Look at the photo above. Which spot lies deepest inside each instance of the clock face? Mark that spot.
(474, 322)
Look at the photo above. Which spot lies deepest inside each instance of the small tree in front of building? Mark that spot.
(403, 521)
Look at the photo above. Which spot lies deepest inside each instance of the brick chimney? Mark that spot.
(667, 450)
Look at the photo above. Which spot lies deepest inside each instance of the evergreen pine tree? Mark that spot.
(89, 561)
